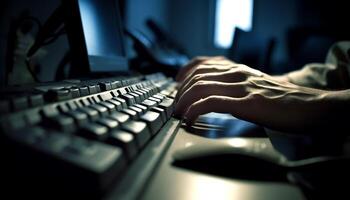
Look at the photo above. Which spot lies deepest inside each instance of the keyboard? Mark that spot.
(86, 138)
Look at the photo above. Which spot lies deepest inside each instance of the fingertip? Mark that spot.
(176, 115)
(188, 122)
(189, 118)
(177, 112)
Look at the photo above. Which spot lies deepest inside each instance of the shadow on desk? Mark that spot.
(328, 181)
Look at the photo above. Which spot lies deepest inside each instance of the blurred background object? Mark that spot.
(270, 35)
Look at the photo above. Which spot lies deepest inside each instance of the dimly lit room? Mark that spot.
(174, 99)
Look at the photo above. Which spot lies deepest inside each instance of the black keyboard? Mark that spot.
(85, 138)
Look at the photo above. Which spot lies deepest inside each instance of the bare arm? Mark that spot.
(251, 95)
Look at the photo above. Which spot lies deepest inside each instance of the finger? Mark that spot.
(201, 69)
(204, 89)
(231, 76)
(204, 69)
(193, 63)
(218, 62)
(238, 107)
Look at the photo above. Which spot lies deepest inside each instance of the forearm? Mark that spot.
(339, 101)
(336, 119)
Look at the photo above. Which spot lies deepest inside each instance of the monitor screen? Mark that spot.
(102, 31)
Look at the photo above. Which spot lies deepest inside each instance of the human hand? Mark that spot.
(219, 63)
(253, 96)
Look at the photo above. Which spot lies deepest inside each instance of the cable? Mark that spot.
(54, 37)
(48, 30)
(35, 77)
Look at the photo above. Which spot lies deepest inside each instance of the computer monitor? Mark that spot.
(95, 35)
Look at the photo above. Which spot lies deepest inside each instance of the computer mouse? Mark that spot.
(236, 158)
(249, 159)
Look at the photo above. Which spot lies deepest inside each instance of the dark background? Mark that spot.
(301, 30)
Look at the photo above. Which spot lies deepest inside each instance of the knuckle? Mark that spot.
(200, 84)
(256, 96)
(200, 78)
(197, 77)
(209, 100)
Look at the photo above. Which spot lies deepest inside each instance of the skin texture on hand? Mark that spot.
(219, 85)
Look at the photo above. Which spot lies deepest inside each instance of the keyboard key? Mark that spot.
(122, 101)
(58, 95)
(32, 117)
(60, 122)
(80, 118)
(111, 107)
(99, 163)
(30, 135)
(153, 120)
(75, 92)
(93, 114)
(79, 104)
(131, 113)
(20, 103)
(168, 105)
(91, 159)
(13, 122)
(124, 140)
(120, 117)
(140, 131)
(121, 91)
(149, 103)
(159, 96)
(49, 111)
(105, 86)
(109, 123)
(101, 110)
(84, 91)
(155, 99)
(71, 105)
(63, 108)
(130, 100)
(115, 84)
(165, 92)
(96, 99)
(173, 94)
(117, 104)
(138, 97)
(36, 100)
(142, 94)
(142, 107)
(98, 89)
(137, 110)
(85, 102)
(162, 113)
(94, 131)
(105, 96)
(92, 89)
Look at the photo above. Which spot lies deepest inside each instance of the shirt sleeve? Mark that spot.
(334, 74)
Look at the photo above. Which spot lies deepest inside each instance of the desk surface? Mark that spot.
(171, 182)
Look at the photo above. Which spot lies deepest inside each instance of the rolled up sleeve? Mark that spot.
(334, 74)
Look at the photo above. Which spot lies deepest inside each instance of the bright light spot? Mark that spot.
(238, 142)
(188, 144)
(228, 15)
(208, 188)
